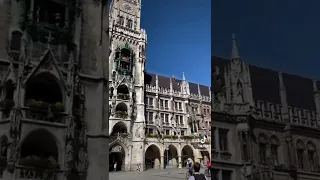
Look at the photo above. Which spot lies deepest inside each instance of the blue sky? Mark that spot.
(179, 38)
(279, 34)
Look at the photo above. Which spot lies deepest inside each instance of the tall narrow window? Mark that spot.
(129, 23)
(226, 175)
(300, 150)
(245, 146)
(121, 20)
(223, 139)
(275, 143)
(312, 156)
(150, 118)
(263, 141)
(214, 174)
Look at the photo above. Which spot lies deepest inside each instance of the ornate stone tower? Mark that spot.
(55, 91)
(127, 63)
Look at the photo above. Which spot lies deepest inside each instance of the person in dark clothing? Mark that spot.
(196, 175)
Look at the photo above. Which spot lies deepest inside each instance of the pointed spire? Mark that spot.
(234, 53)
(183, 76)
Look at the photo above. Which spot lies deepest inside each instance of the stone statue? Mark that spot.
(137, 133)
(71, 126)
(82, 160)
(69, 155)
(38, 14)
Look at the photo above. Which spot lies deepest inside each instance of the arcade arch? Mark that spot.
(152, 157)
(171, 156)
(119, 128)
(186, 154)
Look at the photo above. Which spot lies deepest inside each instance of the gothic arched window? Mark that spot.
(121, 20)
(129, 23)
(300, 150)
(312, 156)
(263, 143)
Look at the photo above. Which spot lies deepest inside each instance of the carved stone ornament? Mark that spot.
(116, 149)
(82, 160)
(70, 127)
(69, 156)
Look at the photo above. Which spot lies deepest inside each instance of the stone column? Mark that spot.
(179, 161)
(162, 162)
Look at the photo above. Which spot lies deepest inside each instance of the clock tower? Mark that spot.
(126, 83)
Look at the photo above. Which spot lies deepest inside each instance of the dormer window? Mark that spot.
(129, 23)
(121, 21)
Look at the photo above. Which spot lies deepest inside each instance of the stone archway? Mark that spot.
(152, 157)
(170, 156)
(117, 155)
(119, 128)
(39, 149)
(186, 154)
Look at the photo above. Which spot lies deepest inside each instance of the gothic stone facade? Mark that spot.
(155, 121)
(266, 123)
(54, 89)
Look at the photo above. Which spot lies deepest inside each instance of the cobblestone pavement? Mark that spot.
(166, 174)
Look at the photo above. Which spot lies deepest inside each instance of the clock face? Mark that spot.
(127, 7)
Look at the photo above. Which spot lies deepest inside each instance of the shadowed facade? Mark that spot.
(265, 122)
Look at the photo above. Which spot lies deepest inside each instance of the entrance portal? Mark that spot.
(117, 156)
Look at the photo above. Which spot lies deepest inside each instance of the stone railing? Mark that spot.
(24, 173)
(41, 115)
(152, 89)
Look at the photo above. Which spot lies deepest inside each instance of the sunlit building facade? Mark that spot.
(155, 121)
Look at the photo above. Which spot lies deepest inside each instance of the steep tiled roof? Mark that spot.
(218, 81)
(164, 82)
(265, 85)
(299, 91)
(204, 90)
(150, 79)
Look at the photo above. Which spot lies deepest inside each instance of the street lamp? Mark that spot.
(167, 149)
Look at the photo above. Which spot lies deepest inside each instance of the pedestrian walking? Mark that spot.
(138, 168)
(115, 167)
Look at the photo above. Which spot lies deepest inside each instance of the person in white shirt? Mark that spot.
(115, 167)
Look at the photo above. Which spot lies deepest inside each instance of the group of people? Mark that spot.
(194, 170)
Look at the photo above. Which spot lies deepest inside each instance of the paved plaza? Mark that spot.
(166, 174)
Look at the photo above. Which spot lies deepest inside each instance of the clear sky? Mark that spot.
(279, 34)
(179, 38)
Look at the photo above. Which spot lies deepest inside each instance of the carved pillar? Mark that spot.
(283, 97)
(162, 162)
(316, 97)
(179, 162)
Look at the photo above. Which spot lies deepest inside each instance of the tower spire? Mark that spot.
(234, 53)
(183, 76)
